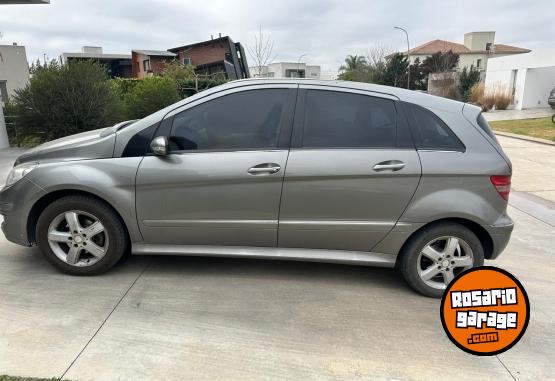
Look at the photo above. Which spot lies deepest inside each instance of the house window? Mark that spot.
(479, 63)
(271, 74)
(488, 46)
(187, 61)
(146, 65)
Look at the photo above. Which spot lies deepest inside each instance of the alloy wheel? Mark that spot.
(78, 238)
(442, 259)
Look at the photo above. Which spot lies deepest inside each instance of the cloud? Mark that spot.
(325, 30)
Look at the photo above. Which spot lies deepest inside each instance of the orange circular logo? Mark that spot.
(485, 311)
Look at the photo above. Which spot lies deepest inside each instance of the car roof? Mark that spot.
(417, 97)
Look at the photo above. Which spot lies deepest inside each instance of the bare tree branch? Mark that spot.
(261, 51)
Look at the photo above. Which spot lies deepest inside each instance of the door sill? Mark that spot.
(288, 254)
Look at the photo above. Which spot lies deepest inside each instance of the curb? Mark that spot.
(524, 137)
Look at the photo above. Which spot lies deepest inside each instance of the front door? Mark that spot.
(351, 171)
(221, 182)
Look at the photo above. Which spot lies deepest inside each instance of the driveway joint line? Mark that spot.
(106, 319)
(531, 215)
(505, 366)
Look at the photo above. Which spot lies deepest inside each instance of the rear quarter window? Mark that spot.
(483, 124)
(430, 132)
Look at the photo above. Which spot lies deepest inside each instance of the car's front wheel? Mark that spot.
(81, 235)
(435, 255)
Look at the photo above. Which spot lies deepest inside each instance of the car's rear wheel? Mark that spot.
(81, 235)
(434, 256)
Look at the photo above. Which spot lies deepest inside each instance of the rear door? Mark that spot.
(352, 170)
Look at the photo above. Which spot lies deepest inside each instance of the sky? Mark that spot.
(323, 32)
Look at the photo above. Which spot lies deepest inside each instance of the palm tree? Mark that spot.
(353, 63)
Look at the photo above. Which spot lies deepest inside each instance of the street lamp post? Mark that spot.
(408, 57)
(299, 63)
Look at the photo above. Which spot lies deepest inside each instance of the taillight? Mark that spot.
(502, 184)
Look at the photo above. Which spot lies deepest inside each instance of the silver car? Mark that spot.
(305, 170)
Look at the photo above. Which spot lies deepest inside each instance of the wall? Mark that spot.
(206, 53)
(539, 83)
(14, 68)
(535, 76)
(478, 40)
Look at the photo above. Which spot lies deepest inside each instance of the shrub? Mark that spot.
(467, 79)
(502, 97)
(476, 93)
(488, 101)
(61, 100)
(150, 95)
(188, 87)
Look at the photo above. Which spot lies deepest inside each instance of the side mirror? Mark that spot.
(159, 146)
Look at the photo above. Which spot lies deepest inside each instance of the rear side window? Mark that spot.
(431, 133)
(483, 124)
(346, 120)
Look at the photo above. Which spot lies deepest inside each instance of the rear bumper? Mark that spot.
(500, 236)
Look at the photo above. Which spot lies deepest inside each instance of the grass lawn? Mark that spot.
(539, 128)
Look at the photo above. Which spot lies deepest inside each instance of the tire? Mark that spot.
(468, 251)
(109, 244)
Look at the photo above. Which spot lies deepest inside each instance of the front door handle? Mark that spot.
(269, 168)
(389, 165)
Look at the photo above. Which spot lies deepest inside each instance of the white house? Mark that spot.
(14, 70)
(286, 70)
(530, 77)
(477, 49)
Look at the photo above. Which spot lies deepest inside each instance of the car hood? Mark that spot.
(96, 144)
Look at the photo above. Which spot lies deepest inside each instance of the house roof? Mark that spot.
(219, 39)
(443, 46)
(99, 56)
(157, 53)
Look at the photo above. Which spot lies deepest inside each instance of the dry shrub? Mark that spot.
(476, 93)
(502, 97)
(487, 101)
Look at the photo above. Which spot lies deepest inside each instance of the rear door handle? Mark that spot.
(389, 165)
(269, 168)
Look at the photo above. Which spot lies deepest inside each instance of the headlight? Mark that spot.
(17, 173)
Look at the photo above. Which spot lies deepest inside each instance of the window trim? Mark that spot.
(285, 129)
(298, 125)
(407, 107)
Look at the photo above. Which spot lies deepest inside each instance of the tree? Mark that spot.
(354, 69)
(396, 70)
(176, 71)
(149, 95)
(440, 62)
(261, 50)
(61, 100)
(467, 79)
(353, 63)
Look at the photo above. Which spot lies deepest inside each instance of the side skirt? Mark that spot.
(289, 254)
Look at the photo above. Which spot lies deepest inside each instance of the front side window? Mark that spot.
(431, 133)
(346, 120)
(245, 120)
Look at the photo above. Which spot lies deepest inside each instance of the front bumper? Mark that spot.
(500, 235)
(16, 203)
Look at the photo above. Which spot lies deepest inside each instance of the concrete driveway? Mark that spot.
(205, 318)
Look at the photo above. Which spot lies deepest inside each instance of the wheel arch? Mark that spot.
(481, 233)
(41, 204)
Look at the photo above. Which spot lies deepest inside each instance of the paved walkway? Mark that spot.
(533, 167)
(518, 114)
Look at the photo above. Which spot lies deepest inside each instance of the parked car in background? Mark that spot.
(284, 169)
(551, 99)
